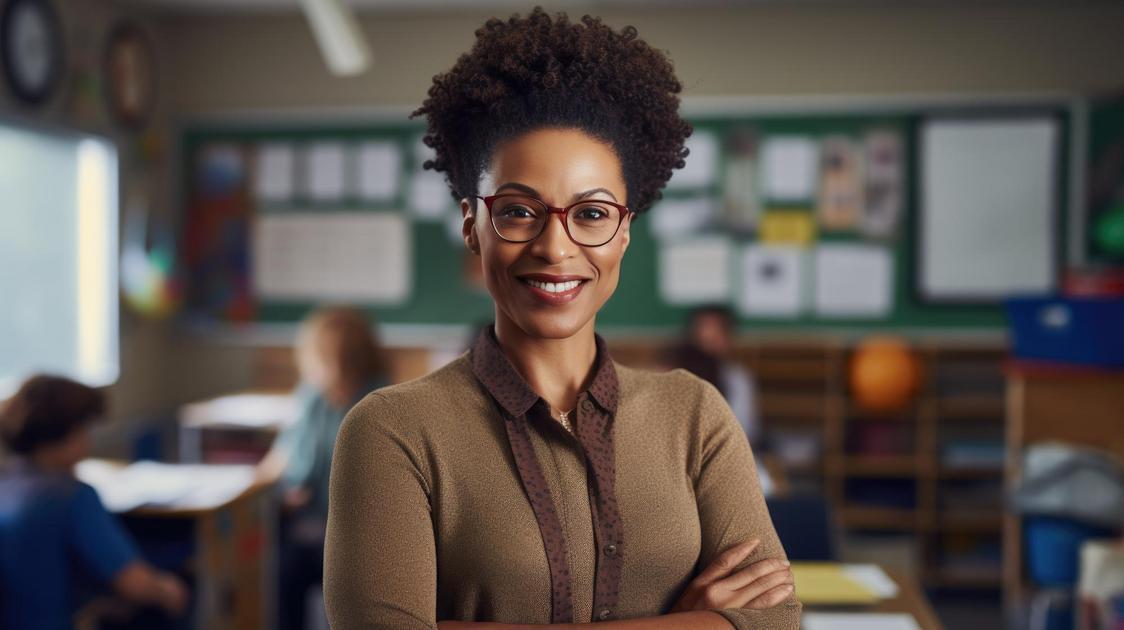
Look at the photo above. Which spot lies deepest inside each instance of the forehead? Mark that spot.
(557, 163)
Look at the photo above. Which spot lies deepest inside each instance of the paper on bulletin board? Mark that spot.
(274, 172)
(740, 187)
(773, 281)
(676, 219)
(788, 165)
(788, 227)
(363, 257)
(696, 271)
(841, 184)
(429, 196)
(853, 280)
(324, 171)
(701, 165)
(884, 170)
(378, 167)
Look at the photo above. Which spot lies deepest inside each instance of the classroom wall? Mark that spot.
(214, 64)
(261, 61)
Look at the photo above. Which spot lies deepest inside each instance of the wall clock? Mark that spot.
(32, 49)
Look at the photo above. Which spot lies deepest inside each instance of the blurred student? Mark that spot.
(340, 362)
(53, 527)
(709, 353)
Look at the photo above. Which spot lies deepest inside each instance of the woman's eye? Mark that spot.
(591, 213)
(518, 212)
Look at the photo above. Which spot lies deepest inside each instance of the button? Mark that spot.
(587, 406)
(604, 614)
(610, 550)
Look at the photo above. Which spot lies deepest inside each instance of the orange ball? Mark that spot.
(884, 375)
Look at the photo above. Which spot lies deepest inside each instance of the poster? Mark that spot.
(841, 184)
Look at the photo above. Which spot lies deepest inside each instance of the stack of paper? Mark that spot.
(832, 583)
(858, 621)
(175, 486)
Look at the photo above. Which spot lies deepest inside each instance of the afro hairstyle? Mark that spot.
(543, 71)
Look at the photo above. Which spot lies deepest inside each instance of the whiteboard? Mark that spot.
(988, 207)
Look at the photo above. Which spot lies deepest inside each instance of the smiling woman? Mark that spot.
(534, 480)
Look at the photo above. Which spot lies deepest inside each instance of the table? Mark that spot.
(223, 544)
(910, 599)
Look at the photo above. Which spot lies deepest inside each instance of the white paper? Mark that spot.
(773, 280)
(364, 257)
(324, 171)
(252, 411)
(883, 166)
(274, 172)
(676, 219)
(701, 165)
(988, 202)
(174, 486)
(429, 196)
(378, 166)
(695, 271)
(858, 621)
(873, 578)
(788, 168)
(853, 280)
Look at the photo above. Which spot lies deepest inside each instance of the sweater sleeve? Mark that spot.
(732, 508)
(380, 568)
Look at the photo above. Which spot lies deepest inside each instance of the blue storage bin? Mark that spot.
(1088, 331)
(1053, 547)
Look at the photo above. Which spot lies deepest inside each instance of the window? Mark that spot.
(58, 256)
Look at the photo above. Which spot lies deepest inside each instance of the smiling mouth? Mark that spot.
(553, 287)
(555, 292)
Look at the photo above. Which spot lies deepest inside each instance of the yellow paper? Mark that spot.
(788, 227)
(826, 583)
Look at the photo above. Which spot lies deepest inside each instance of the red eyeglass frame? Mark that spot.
(562, 212)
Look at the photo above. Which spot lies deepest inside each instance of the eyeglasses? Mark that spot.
(521, 218)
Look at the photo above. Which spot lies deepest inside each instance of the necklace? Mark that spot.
(564, 418)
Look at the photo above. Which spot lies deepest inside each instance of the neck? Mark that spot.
(48, 462)
(557, 369)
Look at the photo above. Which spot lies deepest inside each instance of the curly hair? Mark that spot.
(539, 71)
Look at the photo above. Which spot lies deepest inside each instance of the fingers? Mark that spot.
(761, 586)
(755, 572)
(772, 597)
(726, 562)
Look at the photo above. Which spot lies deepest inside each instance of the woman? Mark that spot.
(533, 480)
(339, 362)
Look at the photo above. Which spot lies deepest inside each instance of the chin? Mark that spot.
(551, 326)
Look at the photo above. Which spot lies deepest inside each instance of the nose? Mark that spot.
(553, 244)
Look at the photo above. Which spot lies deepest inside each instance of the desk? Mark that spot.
(909, 599)
(235, 429)
(225, 547)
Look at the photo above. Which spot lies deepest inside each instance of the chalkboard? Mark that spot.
(220, 209)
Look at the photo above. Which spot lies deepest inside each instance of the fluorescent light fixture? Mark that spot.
(338, 34)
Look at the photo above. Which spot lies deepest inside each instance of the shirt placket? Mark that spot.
(595, 433)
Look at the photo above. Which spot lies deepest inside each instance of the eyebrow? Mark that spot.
(578, 197)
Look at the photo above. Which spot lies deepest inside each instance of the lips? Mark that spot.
(553, 289)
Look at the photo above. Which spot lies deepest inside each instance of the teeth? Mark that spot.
(553, 287)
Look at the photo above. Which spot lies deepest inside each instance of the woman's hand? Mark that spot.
(763, 584)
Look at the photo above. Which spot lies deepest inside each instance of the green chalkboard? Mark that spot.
(219, 209)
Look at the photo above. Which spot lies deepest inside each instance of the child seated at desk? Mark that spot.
(340, 362)
(53, 527)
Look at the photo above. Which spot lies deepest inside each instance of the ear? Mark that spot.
(468, 227)
(626, 236)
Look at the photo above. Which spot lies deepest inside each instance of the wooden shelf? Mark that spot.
(970, 472)
(890, 519)
(876, 465)
(805, 406)
(963, 577)
(964, 521)
(971, 407)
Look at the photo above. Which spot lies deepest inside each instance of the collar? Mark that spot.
(508, 387)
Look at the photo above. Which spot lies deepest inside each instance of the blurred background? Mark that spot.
(897, 248)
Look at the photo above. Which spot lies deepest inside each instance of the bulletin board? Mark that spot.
(764, 195)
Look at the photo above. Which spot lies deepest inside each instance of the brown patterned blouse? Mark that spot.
(458, 496)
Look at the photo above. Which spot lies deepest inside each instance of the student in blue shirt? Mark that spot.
(53, 527)
(340, 362)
